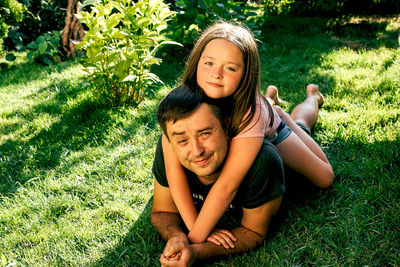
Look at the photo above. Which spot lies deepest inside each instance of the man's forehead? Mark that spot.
(201, 118)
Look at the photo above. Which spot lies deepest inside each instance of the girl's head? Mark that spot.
(223, 40)
(231, 49)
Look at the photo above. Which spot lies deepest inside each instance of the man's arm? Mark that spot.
(249, 235)
(164, 214)
(165, 219)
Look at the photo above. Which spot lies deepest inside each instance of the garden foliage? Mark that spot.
(332, 7)
(121, 40)
(11, 12)
(42, 16)
(44, 49)
(195, 15)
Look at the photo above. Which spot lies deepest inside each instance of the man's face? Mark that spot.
(199, 142)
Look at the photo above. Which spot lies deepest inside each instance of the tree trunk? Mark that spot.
(73, 30)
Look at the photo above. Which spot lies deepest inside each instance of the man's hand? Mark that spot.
(222, 237)
(177, 252)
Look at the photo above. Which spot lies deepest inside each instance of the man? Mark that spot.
(196, 129)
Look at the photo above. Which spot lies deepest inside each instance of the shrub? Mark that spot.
(195, 15)
(332, 7)
(44, 49)
(10, 14)
(120, 44)
(42, 16)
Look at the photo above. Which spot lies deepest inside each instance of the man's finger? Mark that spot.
(175, 256)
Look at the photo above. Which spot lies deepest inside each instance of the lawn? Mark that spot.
(75, 175)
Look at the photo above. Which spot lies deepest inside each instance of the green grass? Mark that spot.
(75, 176)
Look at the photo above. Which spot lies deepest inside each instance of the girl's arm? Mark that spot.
(178, 185)
(241, 155)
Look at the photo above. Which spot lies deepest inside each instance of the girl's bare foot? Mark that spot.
(313, 90)
(272, 96)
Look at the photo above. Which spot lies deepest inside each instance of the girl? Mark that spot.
(225, 63)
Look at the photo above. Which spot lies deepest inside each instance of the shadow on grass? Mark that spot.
(79, 121)
(25, 72)
(39, 149)
(141, 246)
(294, 49)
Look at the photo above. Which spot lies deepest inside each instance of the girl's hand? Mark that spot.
(222, 237)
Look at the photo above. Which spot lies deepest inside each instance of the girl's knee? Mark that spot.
(326, 181)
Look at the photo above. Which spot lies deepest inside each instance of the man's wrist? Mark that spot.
(179, 235)
(196, 249)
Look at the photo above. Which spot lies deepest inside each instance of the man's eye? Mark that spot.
(182, 141)
(205, 133)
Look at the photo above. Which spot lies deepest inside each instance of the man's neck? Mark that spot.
(206, 180)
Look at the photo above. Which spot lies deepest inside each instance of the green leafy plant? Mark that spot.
(10, 14)
(195, 15)
(41, 16)
(44, 49)
(331, 7)
(120, 44)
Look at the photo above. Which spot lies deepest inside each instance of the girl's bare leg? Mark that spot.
(299, 150)
(307, 111)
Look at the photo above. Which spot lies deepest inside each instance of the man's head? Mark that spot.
(196, 130)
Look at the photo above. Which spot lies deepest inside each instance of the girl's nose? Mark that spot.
(217, 73)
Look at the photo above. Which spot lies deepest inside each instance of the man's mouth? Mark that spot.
(201, 162)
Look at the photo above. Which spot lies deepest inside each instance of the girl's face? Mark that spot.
(220, 68)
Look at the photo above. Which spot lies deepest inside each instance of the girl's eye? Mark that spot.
(231, 69)
(208, 63)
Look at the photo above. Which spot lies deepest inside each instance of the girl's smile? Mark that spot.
(220, 68)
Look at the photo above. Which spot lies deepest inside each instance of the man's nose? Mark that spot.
(197, 148)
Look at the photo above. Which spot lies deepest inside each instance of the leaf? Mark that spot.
(10, 57)
(171, 43)
(153, 77)
(30, 56)
(88, 3)
(42, 48)
(129, 78)
(113, 21)
(32, 45)
(46, 60)
(3, 260)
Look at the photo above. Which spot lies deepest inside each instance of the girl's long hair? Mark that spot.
(244, 97)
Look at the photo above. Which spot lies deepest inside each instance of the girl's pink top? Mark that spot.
(259, 124)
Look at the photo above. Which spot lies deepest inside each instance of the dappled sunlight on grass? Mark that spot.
(75, 174)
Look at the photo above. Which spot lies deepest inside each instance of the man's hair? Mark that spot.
(182, 102)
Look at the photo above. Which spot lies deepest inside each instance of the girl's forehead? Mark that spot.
(220, 46)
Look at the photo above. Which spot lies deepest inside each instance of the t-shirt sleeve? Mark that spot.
(265, 179)
(159, 166)
(259, 124)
